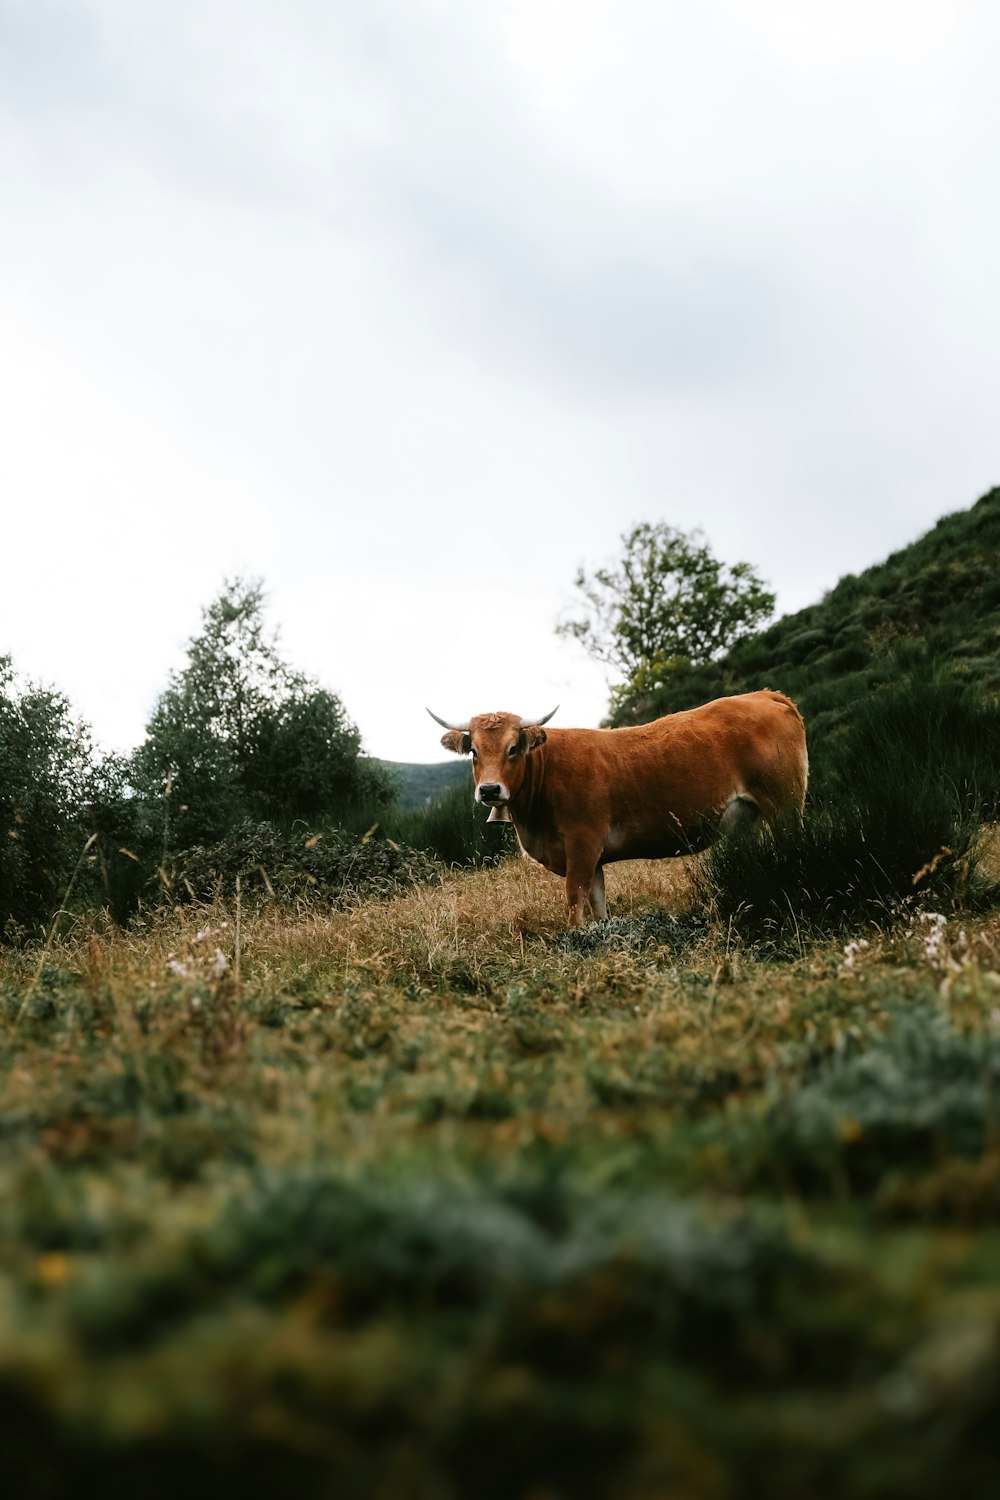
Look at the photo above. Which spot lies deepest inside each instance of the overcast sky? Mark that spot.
(410, 308)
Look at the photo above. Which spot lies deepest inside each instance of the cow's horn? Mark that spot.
(534, 723)
(445, 725)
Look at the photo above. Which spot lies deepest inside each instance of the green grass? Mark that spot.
(440, 1199)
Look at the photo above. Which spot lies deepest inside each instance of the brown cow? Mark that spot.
(580, 798)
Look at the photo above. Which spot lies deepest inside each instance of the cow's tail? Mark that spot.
(798, 770)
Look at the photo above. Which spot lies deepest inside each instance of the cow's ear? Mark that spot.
(534, 735)
(457, 740)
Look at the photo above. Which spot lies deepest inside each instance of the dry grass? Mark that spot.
(990, 850)
(481, 918)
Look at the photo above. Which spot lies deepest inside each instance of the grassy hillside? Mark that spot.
(935, 602)
(427, 1197)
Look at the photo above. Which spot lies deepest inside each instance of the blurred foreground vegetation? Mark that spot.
(429, 1197)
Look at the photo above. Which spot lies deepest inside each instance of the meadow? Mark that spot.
(332, 1163)
(422, 1195)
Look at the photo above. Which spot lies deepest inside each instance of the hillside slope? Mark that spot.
(935, 603)
(422, 784)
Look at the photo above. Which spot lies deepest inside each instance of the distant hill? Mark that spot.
(935, 603)
(423, 784)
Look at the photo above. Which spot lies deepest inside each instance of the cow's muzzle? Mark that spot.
(491, 792)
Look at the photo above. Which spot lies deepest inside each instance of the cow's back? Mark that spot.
(659, 789)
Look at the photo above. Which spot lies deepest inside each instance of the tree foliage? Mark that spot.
(239, 734)
(666, 602)
(45, 763)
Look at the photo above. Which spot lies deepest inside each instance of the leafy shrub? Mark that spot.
(668, 1273)
(895, 815)
(453, 829)
(921, 1094)
(862, 862)
(330, 866)
(925, 725)
(924, 1089)
(802, 645)
(123, 862)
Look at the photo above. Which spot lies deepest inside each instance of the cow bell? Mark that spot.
(499, 813)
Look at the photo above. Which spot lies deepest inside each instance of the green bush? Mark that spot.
(329, 866)
(925, 725)
(239, 734)
(875, 1115)
(923, 1092)
(45, 760)
(453, 829)
(894, 814)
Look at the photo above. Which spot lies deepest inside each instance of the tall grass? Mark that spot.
(924, 725)
(453, 829)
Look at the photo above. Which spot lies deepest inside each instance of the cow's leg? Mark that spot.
(581, 877)
(597, 900)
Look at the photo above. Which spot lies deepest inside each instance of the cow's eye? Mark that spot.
(512, 752)
(474, 754)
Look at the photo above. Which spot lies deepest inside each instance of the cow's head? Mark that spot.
(498, 744)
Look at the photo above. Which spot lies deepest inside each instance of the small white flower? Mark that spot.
(934, 930)
(852, 950)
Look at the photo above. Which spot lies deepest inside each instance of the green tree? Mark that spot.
(307, 759)
(667, 604)
(45, 763)
(239, 733)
